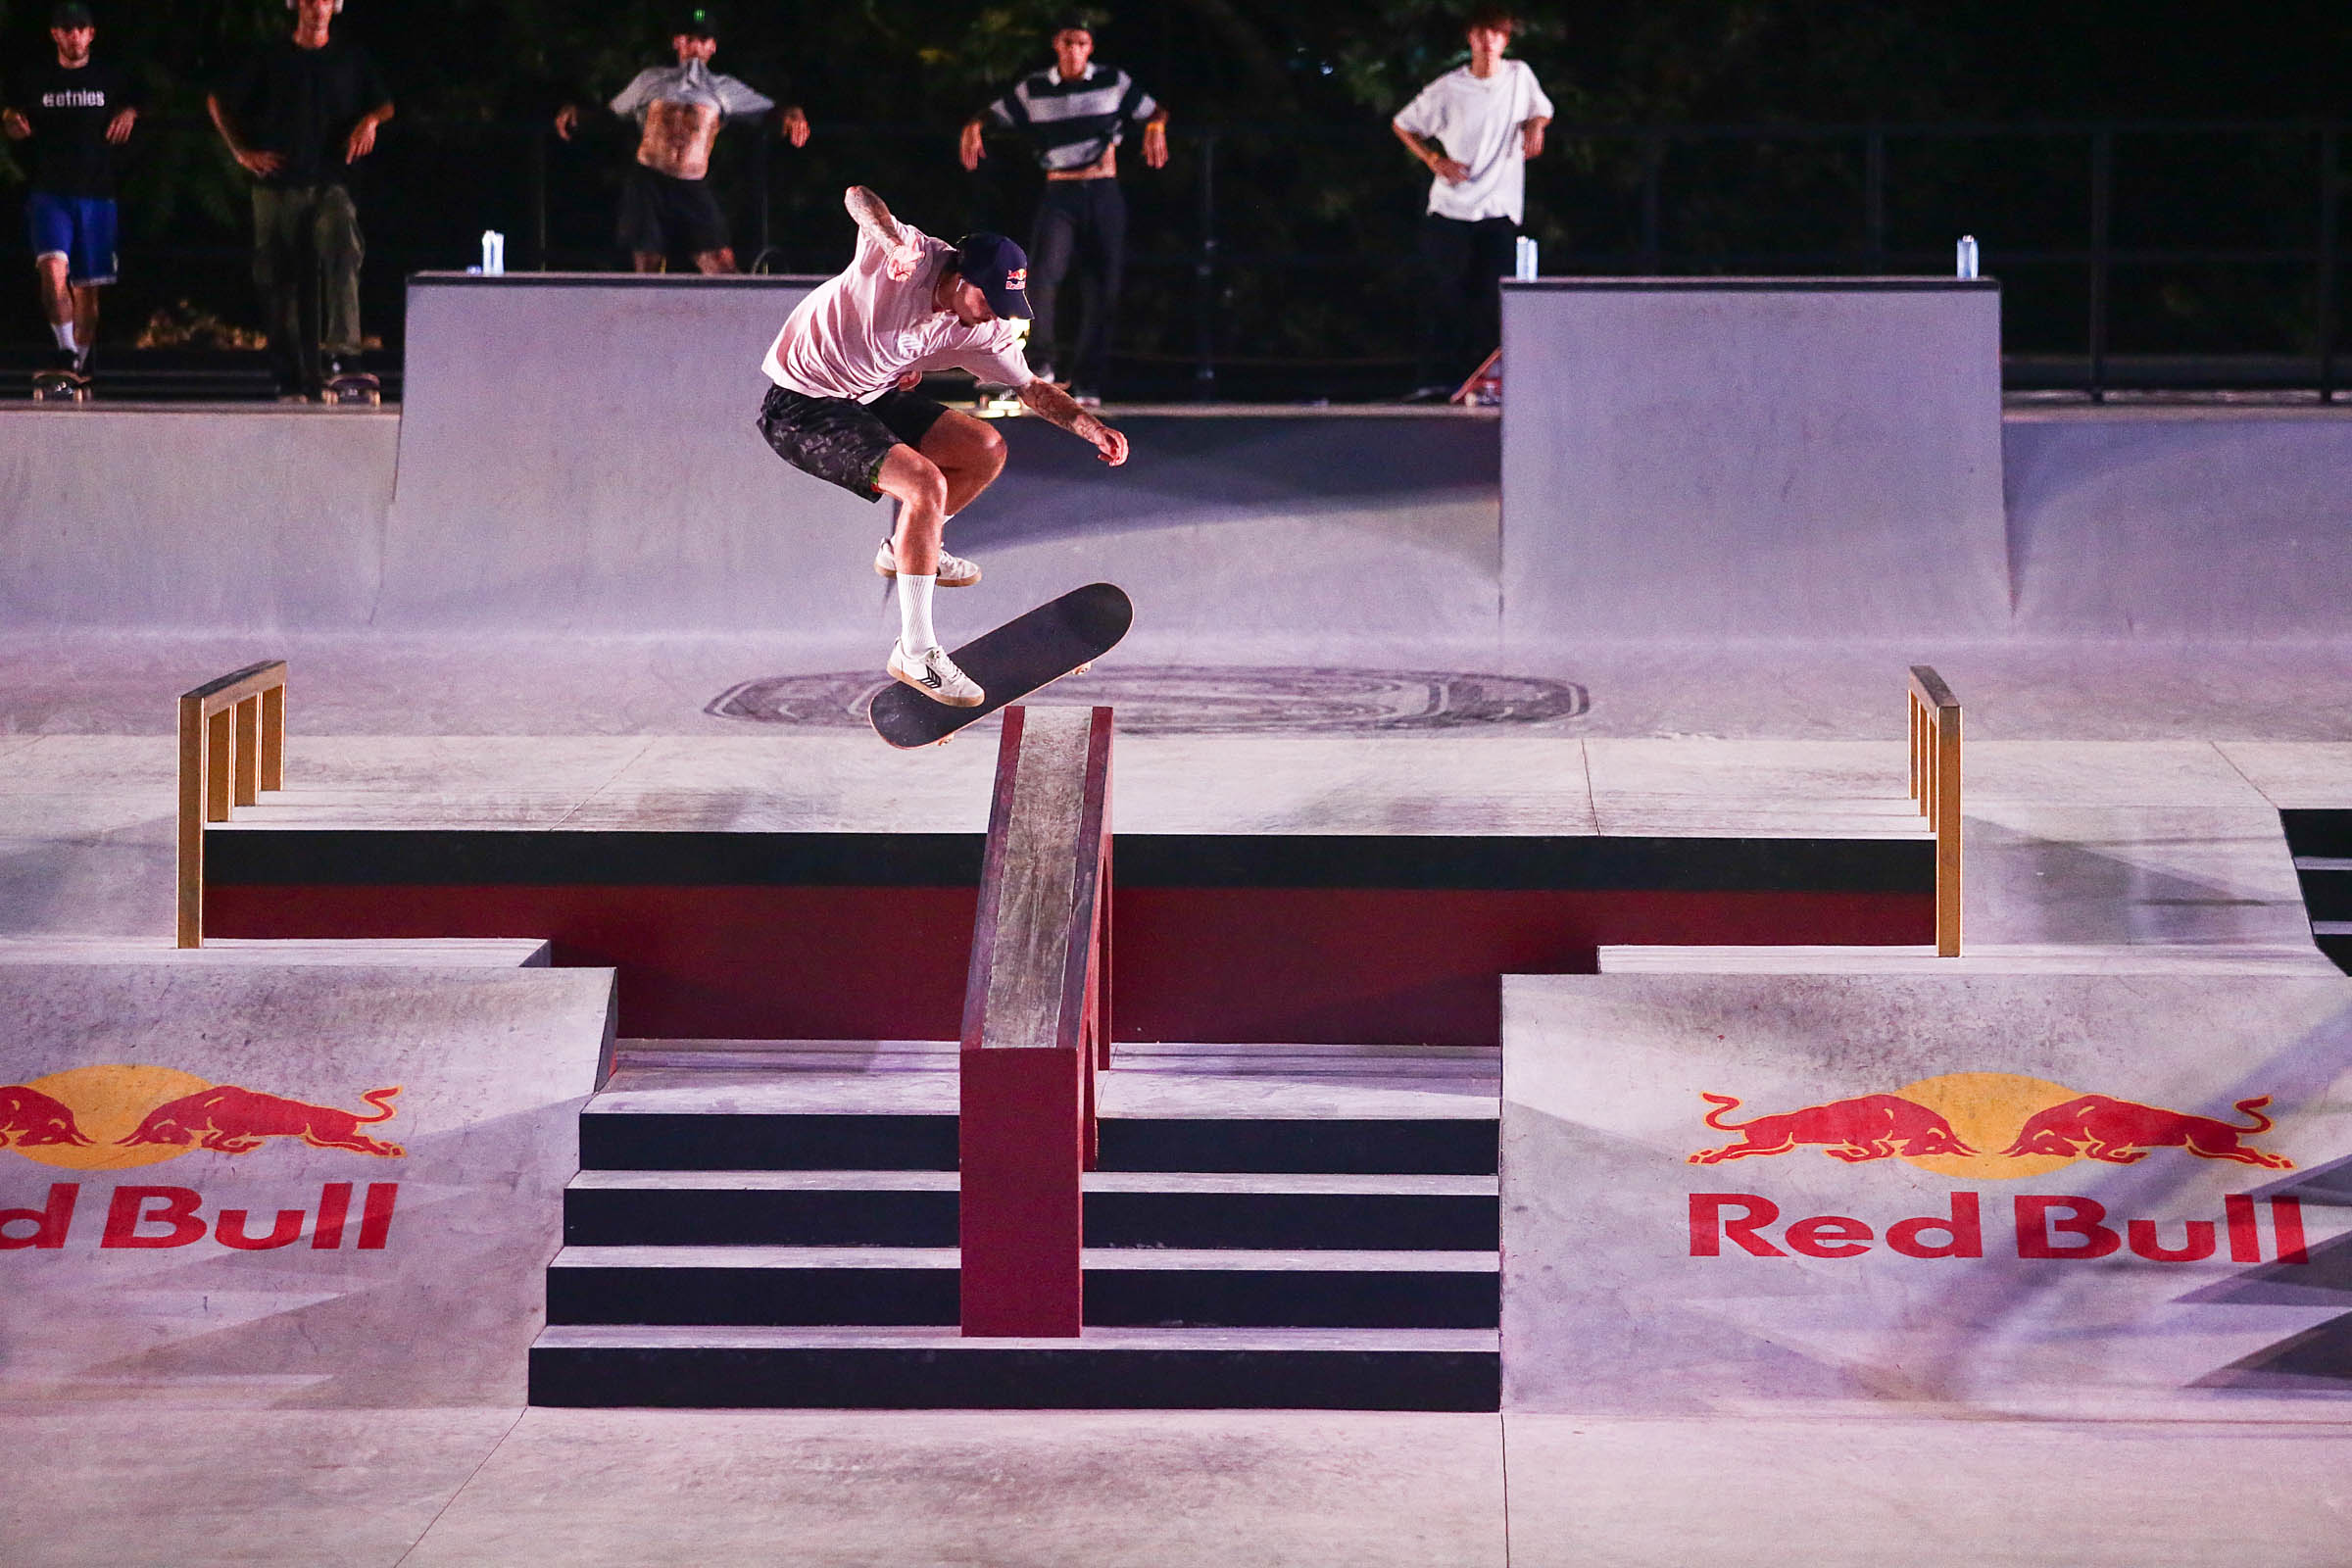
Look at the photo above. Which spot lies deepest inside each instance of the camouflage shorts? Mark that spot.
(843, 442)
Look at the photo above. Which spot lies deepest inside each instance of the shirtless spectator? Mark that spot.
(666, 205)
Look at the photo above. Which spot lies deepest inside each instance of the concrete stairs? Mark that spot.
(1274, 1227)
(2321, 844)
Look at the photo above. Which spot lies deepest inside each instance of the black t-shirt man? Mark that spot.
(301, 104)
(69, 111)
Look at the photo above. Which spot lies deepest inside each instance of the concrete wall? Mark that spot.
(169, 518)
(1624, 1290)
(2184, 522)
(1723, 458)
(576, 455)
(437, 1303)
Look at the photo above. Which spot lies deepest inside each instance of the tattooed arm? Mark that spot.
(1052, 404)
(874, 222)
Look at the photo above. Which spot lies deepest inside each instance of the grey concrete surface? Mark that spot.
(1016, 1490)
(223, 518)
(2181, 524)
(1734, 457)
(1622, 1297)
(491, 1066)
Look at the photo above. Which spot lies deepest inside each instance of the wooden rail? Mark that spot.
(1936, 786)
(1036, 1024)
(232, 745)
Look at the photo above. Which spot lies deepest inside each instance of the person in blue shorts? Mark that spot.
(74, 112)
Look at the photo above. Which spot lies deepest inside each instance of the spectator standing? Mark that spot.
(1076, 114)
(1475, 127)
(666, 203)
(297, 116)
(75, 111)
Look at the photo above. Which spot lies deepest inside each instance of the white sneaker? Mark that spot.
(935, 675)
(954, 570)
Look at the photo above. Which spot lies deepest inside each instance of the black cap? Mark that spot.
(71, 13)
(695, 22)
(999, 269)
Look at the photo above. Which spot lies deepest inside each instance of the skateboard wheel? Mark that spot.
(1083, 669)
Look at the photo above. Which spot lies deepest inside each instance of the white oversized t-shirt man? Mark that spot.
(844, 406)
(1475, 127)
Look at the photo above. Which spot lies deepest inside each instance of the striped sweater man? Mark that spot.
(1075, 114)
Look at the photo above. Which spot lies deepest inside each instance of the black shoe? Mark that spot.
(339, 365)
(1432, 393)
(67, 360)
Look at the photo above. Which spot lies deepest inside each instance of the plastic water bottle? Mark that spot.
(1524, 268)
(494, 252)
(1967, 255)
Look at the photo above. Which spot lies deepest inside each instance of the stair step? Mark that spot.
(1107, 1368)
(1123, 1208)
(1124, 1286)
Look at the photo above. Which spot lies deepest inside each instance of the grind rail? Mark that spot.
(1936, 786)
(232, 745)
(1036, 1024)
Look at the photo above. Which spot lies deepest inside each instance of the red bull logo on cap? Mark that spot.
(122, 1115)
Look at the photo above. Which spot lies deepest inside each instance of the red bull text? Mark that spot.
(142, 1216)
(2057, 1228)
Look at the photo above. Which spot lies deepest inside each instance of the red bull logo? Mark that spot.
(124, 1115)
(118, 1116)
(1996, 1126)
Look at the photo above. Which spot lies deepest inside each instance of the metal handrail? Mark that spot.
(232, 745)
(1936, 786)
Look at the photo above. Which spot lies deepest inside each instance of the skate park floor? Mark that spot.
(1243, 1490)
(2122, 802)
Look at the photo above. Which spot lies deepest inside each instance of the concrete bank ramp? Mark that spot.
(241, 1183)
(2041, 1193)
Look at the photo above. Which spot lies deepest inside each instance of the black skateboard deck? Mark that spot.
(1016, 658)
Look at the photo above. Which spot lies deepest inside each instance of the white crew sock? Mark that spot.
(65, 337)
(915, 614)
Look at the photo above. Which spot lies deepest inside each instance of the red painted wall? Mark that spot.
(1303, 966)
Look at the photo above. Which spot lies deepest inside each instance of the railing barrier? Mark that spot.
(1036, 1024)
(1936, 786)
(232, 745)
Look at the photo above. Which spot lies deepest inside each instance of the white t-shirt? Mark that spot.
(859, 330)
(1477, 123)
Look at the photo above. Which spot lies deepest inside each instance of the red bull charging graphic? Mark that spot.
(1995, 1127)
(125, 1115)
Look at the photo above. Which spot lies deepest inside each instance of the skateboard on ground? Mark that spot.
(352, 387)
(1057, 638)
(60, 386)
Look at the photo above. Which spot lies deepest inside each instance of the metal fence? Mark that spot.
(1278, 259)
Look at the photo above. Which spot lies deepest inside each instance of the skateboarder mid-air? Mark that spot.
(845, 409)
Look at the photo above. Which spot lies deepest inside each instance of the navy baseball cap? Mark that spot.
(999, 269)
(695, 22)
(71, 13)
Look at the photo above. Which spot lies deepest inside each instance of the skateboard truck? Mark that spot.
(352, 388)
(60, 386)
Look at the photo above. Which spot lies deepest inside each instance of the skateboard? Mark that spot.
(355, 388)
(1059, 638)
(60, 386)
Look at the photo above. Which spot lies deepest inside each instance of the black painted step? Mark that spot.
(2327, 886)
(1124, 1286)
(918, 1208)
(1106, 1369)
(633, 1139)
(2319, 832)
(722, 1140)
(1428, 1146)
